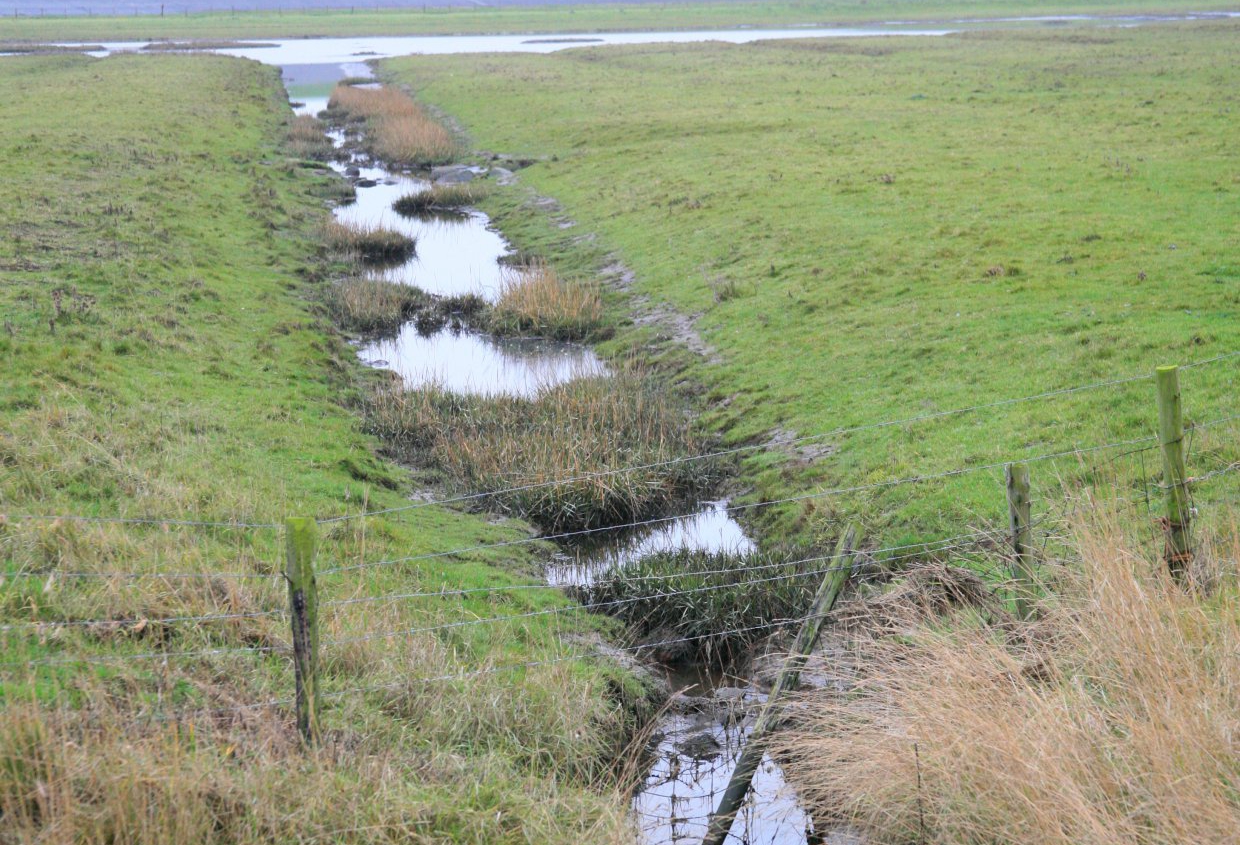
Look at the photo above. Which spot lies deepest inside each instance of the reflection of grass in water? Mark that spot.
(369, 244)
(584, 427)
(441, 198)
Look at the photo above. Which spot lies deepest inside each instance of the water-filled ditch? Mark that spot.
(696, 744)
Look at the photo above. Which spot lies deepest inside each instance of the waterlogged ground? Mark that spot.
(456, 254)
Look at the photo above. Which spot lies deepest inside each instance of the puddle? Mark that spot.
(458, 254)
(697, 750)
(469, 362)
(711, 529)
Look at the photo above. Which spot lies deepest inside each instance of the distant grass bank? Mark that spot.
(166, 357)
(558, 18)
(873, 229)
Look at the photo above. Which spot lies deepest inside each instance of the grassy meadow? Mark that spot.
(169, 354)
(867, 230)
(617, 17)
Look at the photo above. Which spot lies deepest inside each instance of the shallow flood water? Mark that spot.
(455, 255)
(709, 529)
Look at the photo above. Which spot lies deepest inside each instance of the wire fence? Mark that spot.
(755, 569)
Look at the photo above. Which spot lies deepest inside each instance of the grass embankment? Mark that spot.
(555, 18)
(1112, 719)
(165, 358)
(867, 230)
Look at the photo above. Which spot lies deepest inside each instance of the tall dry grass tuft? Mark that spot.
(535, 298)
(441, 200)
(1114, 719)
(306, 138)
(372, 305)
(399, 130)
(588, 428)
(376, 245)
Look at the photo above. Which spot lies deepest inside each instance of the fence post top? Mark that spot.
(1166, 369)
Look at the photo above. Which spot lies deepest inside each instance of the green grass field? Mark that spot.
(619, 17)
(168, 356)
(874, 229)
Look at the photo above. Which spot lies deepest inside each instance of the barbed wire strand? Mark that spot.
(739, 449)
(743, 507)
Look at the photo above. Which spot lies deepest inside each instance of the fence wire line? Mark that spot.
(769, 503)
(166, 620)
(748, 448)
(605, 473)
(927, 547)
(124, 520)
(594, 606)
(145, 655)
(176, 576)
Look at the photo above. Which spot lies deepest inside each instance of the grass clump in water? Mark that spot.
(399, 130)
(726, 602)
(535, 298)
(589, 428)
(372, 305)
(377, 245)
(440, 199)
(307, 139)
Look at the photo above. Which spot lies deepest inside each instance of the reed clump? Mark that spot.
(723, 603)
(440, 199)
(536, 299)
(398, 129)
(306, 138)
(371, 305)
(372, 245)
(1113, 719)
(592, 429)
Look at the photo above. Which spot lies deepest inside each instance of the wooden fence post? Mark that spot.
(837, 575)
(303, 598)
(1019, 509)
(1179, 551)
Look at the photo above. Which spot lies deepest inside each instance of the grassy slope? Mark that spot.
(187, 372)
(850, 198)
(594, 18)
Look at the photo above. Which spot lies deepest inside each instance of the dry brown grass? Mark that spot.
(1114, 719)
(537, 299)
(371, 305)
(306, 138)
(590, 429)
(400, 131)
(376, 245)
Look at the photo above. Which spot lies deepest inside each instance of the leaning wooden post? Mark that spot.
(837, 575)
(303, 597)
(1179, 550)
(1019, 509)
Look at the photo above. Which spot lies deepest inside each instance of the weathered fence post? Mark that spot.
(303, 598)
(837, 575)
(1019, 509)
(1179, 550)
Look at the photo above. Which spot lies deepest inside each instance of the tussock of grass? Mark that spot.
(1112, 720)
(376, 245)
(399, 131)
(372, 305)
(438, 199)
(535, 298)
(708, 596)
(307, 140)
(583, 427)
